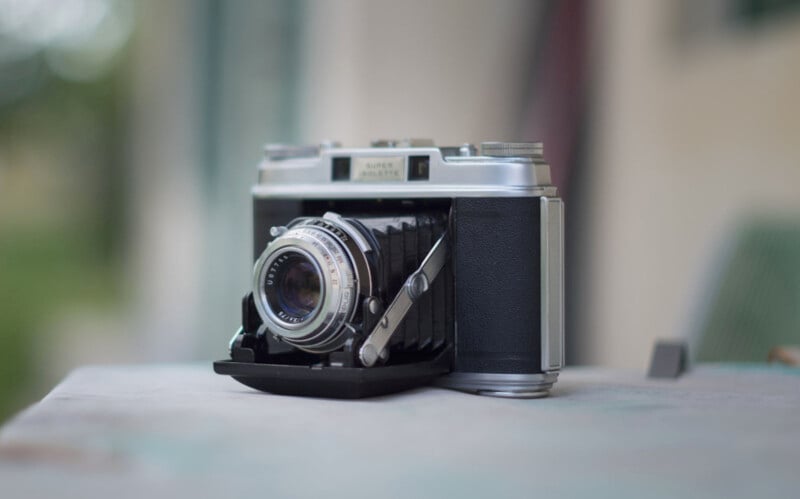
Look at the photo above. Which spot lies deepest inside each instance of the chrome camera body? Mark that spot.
(403, 264)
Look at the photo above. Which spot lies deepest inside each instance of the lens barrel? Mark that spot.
(293, 293)
(308, 282)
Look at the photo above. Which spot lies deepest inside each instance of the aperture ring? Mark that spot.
(322, 331)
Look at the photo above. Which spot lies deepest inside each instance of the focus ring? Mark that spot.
(321, 331)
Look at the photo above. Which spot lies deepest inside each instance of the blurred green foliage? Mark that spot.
(61, 218)
(755, 12)
(755, 305)
(42, 272)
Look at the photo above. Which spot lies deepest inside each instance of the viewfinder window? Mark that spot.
(341, 168)
(419, 167)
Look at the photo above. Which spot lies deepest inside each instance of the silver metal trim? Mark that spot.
(354, 234)
(356, 248)
(552, 283)
(232, 342)
(500, 384)
(285, 151)
(393, 143)
(512, 149)
(416, 285)
(282, 175)
(383, 191)
(277, 252)
(337, 306)
(335, 244)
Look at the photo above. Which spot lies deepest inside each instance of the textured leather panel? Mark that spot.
(497, 270)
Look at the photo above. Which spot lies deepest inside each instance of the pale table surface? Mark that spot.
(182, 431)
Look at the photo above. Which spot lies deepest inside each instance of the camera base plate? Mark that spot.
(335, 382)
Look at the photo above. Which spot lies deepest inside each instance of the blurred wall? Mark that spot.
(693, 132)
(453, 71)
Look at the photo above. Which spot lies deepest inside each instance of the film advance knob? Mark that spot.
(512, 149)
(402, 143)
(286, 151)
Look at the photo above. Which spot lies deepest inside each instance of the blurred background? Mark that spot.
(130, 132)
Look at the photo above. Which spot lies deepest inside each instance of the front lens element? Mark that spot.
(305, 285)
(293, 287)
(298, 290)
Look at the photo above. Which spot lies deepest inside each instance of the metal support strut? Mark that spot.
(416, 285)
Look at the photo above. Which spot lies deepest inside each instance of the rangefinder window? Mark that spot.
(341, 168)
(418, 167)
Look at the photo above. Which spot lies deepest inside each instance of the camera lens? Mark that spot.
(293, 287)
(308, 282)
(298, 288)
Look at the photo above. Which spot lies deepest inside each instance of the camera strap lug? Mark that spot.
(374, 347)
(232, 342)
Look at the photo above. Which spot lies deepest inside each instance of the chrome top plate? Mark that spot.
(306, 172)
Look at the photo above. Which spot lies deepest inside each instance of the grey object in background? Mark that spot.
(754, 307)
(669, 360)
(787, 354)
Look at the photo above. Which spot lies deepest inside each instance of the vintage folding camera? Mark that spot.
(403, 264)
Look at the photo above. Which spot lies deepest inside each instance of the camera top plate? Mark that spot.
(404, 169)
